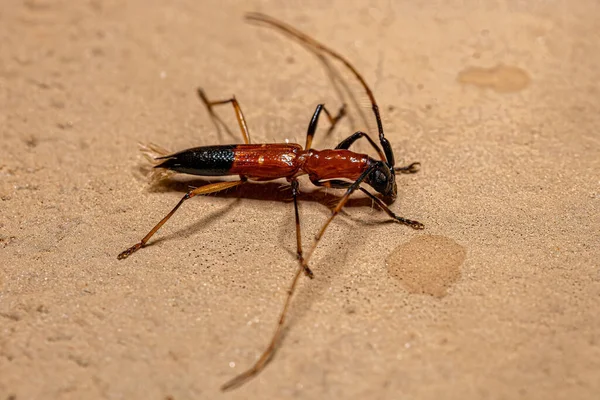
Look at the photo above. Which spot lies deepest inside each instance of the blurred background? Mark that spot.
(497, 298)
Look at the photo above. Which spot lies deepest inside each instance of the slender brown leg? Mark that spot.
(312, 126)
(214, 187)
(238, 113)
(269, 352)
(338, 184)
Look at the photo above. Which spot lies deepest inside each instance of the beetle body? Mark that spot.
(269, 161)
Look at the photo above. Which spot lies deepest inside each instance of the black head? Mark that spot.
(383, 179)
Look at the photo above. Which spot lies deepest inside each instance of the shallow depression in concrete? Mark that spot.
(428, 264)
(501, 78)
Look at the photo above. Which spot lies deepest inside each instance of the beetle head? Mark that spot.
(383, 179)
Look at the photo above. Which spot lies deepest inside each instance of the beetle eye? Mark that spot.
(380, 177)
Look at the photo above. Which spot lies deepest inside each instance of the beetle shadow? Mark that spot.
(261, 191)
(264, 191)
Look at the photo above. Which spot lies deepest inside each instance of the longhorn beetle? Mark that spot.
(262, 162)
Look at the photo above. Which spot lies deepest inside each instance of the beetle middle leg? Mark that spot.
(211, 188)
(236, 107)
(295, 192)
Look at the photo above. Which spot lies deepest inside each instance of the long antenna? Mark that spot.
(262, 18)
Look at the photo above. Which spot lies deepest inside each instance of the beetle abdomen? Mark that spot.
(205, 161)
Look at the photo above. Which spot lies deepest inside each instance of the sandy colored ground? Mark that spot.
(498, 298)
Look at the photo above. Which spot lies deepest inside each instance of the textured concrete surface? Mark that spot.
(497, 298)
